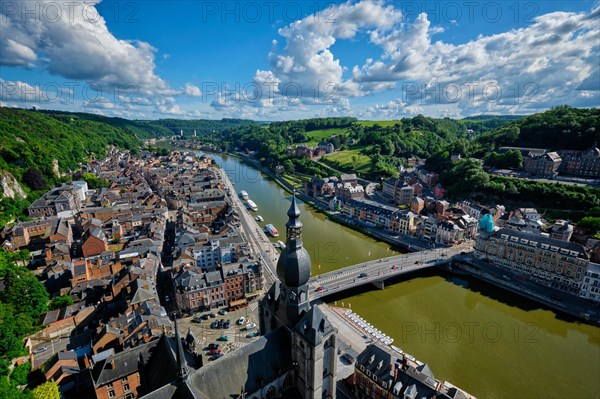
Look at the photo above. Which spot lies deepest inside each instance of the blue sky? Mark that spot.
(274, 60)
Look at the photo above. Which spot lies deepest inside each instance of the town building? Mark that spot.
(375, 214)
(326, 146)
(590, 289)
(544, 165)
(581, 163)
(380, 373)
(398, 190)
(55, 201)
(561, 230)
(558, 264)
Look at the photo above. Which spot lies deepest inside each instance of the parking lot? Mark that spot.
(237, 334)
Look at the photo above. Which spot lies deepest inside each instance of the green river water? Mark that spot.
(481, 338)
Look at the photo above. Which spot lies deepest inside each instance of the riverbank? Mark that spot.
(252, 232)
(406, 243)
(557, 300)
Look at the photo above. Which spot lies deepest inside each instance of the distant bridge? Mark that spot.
(377, 271)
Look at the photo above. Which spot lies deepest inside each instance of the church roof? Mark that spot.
(314, 325)
(261, 361)
(293, 265)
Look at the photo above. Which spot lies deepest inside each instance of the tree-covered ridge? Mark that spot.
(558, 128)
(166, 127)
(385, 144)
(34, 139)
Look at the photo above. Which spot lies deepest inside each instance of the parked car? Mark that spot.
(212, 315)
(41, 349)
(227, 324)
(206, 316)
(214, 325)
(216, 356)
(241, 320)
(222, 312)
(197, 320)
(223, 338)
(250, 326)
(252, 334)
(213, 346)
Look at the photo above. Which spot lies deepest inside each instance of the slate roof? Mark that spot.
(261, 360)
(125, 363)
(416, 382)
(540, 240)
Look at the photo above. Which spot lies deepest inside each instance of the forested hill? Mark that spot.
(30, 141)
(35, 139)
(558, 128)
(31, 138)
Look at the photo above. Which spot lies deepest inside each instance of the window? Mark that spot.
(111, 393)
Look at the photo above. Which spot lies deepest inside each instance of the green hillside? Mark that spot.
(30, 140)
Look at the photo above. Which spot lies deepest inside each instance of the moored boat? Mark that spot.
(252, 205)
(243, 195)
(271, 230)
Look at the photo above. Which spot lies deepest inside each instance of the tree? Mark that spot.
(25, 293)
(48, 390)
(61, 301)
(9, 391)
(513, 159)
(289, 166)
(591, 223)
(34, 179)
(94, 182)
(13, 326)
(20, 373)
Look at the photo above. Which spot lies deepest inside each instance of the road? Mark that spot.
(252, 233)
(58, 344)
(382, 269)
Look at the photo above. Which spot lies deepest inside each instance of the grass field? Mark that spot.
(317, 135)
(380, 123)
(351, 160)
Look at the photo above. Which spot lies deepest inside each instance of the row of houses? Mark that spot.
(105, 254)
(551, 262)
(565, 162)
(212, 265)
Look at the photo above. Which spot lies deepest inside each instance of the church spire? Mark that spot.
(182, 371)
(293, 226)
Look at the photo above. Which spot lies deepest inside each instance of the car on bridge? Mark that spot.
(321, 289)
(363, 274)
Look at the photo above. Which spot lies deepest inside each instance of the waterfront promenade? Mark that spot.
(260, 245)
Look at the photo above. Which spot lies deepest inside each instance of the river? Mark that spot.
(483, 339)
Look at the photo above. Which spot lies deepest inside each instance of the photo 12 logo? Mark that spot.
(68, 92)
(454, 332)
(252, 12)
(70, 11)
